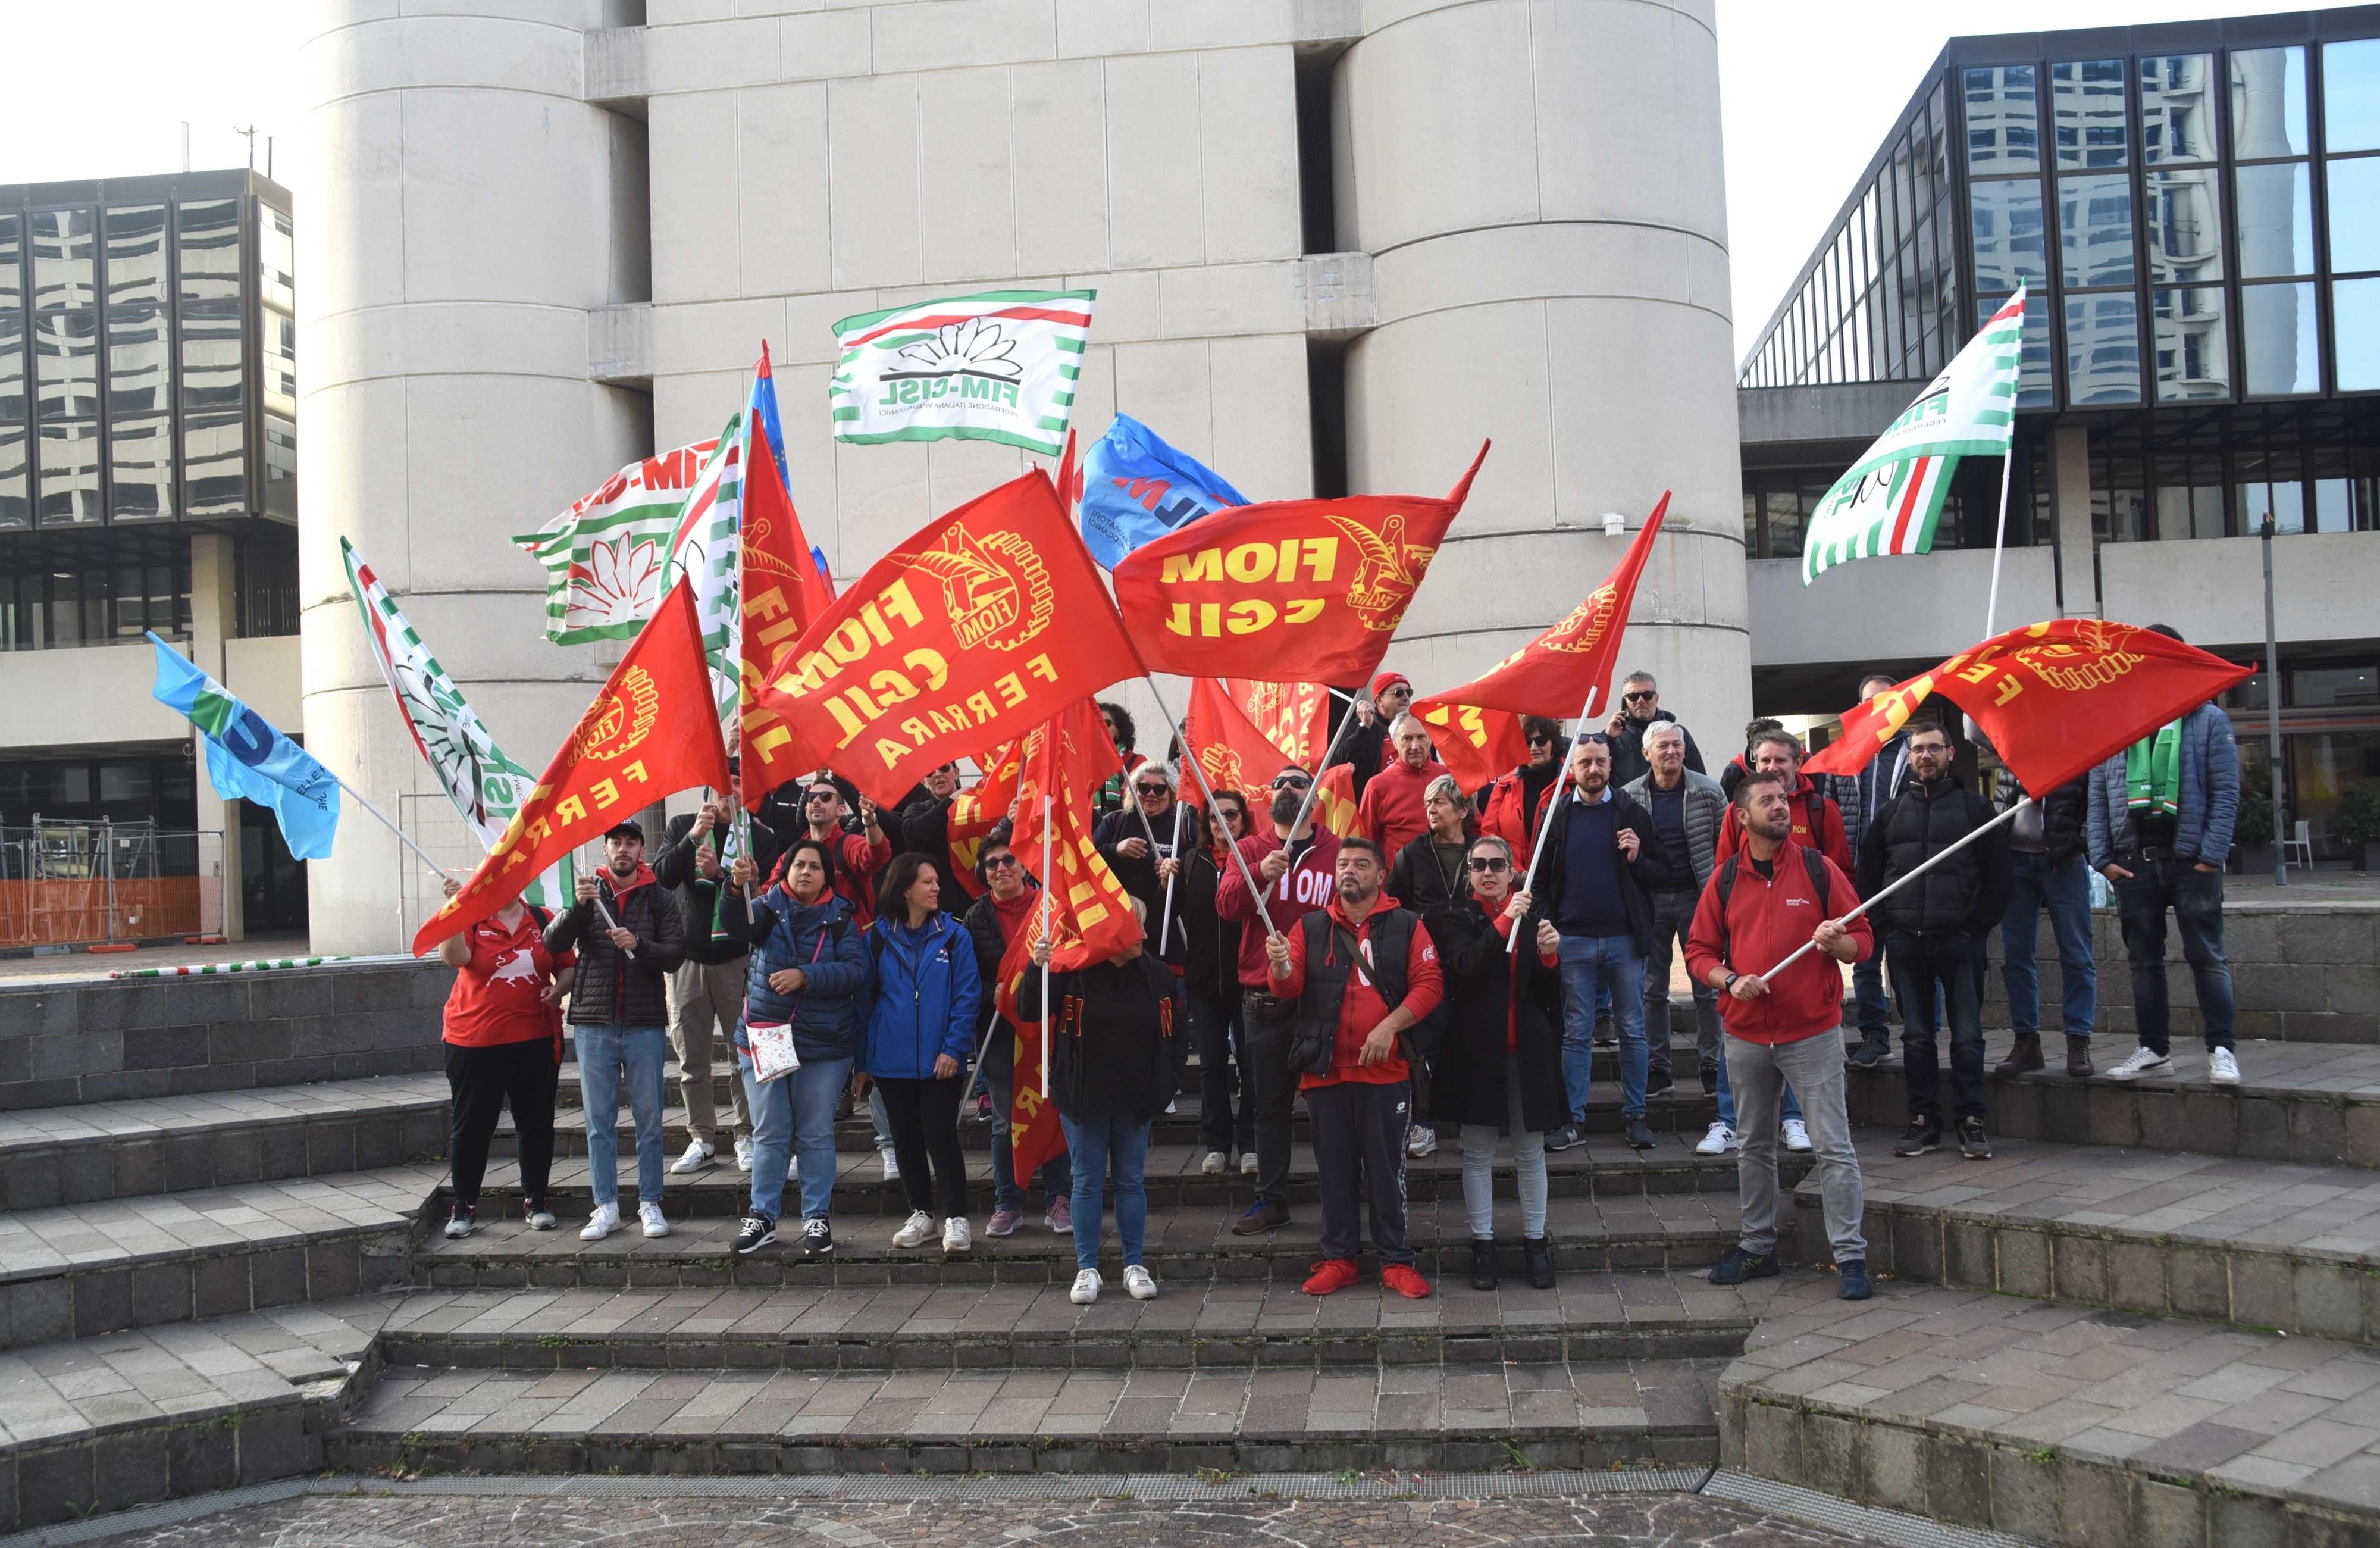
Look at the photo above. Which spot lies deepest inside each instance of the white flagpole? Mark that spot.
(1313, 788)
(1048, 885)
(2000, 543)
(1165, 922)
(1561, 793)
(1190, 756)
(1808, 947)
(403, 837)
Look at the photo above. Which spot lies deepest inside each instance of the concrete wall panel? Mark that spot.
(782, 190)
(967, 182)
(872, 127)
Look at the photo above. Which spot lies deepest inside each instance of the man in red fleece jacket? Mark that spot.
(1818, 821)
(1363, 973)
(1393, 812)
(1761, 905)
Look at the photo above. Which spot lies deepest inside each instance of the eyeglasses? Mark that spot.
(1153, 789)
(826, 795)
(1491, 863)
(1292, 781)
(1641, 695)
(1002, 862)
(1543, 740)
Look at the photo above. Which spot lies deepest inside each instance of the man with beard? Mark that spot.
(859, 858)
(1296, 871)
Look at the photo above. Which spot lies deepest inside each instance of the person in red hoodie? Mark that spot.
(1818, 821)
(1761, 906)
(1394, 810)
(1364, 974)
(1297, 872)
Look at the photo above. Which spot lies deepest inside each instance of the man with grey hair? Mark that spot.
(1640, 710)
(1687, 811)
(1391, 813)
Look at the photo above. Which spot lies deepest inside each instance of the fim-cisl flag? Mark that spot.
(248, 761)
(1889, 500)
(606, 557)
(1137, 487)
(486, 786)
(652, 732)
(999, 366)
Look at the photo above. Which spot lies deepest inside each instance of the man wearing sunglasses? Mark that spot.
(859, 858)
(1640, 708)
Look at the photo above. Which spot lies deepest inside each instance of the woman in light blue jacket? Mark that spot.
(929, 1002)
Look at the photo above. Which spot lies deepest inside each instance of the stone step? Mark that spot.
(119, 1150)
(1665, 1232)
(2311, 1102)
(1600, 1414)
(85, 1269)
(2264, 1244)
(2059, 1424)
(1210, 1324)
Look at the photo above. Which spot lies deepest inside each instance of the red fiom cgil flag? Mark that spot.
(1868, 726)
(783, 593)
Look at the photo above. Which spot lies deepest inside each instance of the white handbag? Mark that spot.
(772, 1049)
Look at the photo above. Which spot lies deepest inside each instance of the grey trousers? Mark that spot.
(706, 1005)
(1757, 1074)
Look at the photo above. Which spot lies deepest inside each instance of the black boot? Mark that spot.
(1483, 1265)
(1537, 1257)
(2024, 1054)
(2078, 1057)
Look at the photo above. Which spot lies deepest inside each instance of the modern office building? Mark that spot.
(2196, 210)
(1335, 245)
(148, 480)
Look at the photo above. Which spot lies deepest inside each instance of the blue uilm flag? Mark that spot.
(764, 413)
(248, 761)
(1137, 487)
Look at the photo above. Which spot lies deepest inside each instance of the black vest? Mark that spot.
(1918, 825)
(1314, 1031)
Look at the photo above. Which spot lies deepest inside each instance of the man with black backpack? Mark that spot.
(1934, 931)
(1762, 904)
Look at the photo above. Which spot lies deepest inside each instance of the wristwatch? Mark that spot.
(1730, 984)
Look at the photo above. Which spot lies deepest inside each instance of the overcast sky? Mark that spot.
(1807, 89)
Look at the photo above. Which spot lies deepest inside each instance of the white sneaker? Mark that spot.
(1172, 1107)
(539, 1218)
(649, 1215)
(698, 1156)
(2222, 1069)
(956, 1237)
(1248, 1164)
(1138, 1284)
(1719, 1142)
(1421, 1140)
(2145, 1061)
(1214, 1163)
(1797, 1135)
(743, 1153)
(1087, 1288)
(602, 1224)
(892, 1165)
(919, 1226)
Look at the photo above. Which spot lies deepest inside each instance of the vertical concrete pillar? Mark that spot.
(214, 618)
(2069, 485)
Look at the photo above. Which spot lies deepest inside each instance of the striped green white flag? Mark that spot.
(1889, 500)
(604, 558)
(999, 366)
(704, 547)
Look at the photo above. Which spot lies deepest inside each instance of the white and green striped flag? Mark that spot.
(999, 366)
(704, 548)
(1890, 499)
(606, 556)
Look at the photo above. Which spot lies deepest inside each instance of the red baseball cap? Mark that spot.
(1386, 680)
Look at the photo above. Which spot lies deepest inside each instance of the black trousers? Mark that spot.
(1359, 1156)
(1265, 1023)
(925, 1119)
(482, 1081)
(1221, 1045)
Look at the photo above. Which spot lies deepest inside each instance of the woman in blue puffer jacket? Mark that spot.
(810, 971)
(928, 1003)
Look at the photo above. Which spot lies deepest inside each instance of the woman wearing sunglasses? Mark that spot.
(1500, 1065)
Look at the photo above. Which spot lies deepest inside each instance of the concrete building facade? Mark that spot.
(1336, 244)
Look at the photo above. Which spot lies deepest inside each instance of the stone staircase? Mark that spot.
(2150, 1319)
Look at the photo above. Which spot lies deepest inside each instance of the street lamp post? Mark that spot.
(2273, 708)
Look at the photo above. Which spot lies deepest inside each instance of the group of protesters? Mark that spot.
(1454, 964)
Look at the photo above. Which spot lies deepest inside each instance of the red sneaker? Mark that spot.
(1405, 1280)
(1336, 1273)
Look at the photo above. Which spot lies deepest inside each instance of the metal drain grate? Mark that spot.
(1828, 1510)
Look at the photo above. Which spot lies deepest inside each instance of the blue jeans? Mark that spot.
(795, 1115)
(1790, 1109)
(1105, 1150)
(1057, 1174)
(605, 1051)
(2065, 891)
(2196, 898)
(1610, 963)
(1867, 992)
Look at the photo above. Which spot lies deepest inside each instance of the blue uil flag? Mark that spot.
(1137, 487)
(248, 761)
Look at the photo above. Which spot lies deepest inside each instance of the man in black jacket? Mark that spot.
(706, 991)
(1640, 710)
(629, 937)
(1934, 931)
(1602, 860)
(2047, 871)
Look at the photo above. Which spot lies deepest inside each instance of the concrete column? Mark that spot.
(214, 617)
(2070, 483)
(1540, 186)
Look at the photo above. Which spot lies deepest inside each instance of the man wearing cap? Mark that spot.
(629, 937)
(707, 991)
(1392, 693)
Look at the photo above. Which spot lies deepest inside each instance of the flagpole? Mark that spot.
(1047, 887)
(1931, 862)
(1314, 786)
(1999, 541)
(1165, 922)
(1255, 893)
(1537, 850)
(403, 837)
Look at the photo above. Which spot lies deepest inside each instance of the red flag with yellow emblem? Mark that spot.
(1287, 590)
(976, 810)
(652, 732)
(1868, 726)
(1244, 731)
(1478, 747)
(950, 645)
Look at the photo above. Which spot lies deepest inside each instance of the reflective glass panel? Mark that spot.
(2278, 329)
(2003, 120)
(136, 255)
(2034, 386)
(1904, 186)
(2354, 214)
(1938, 131)
(65, 357)
(211, 349)
(2268, 102)
(69, 475)
(2185, 226)
(214, 464)
(211, 250)
(62, 261)
(2193, 349)
(2177, 108)
(2094, 227)
(279, 362)
(276, 260)
(139, 364)
(16, 469)
(12, 253)
(140, 456)
(2007, 233)
(2275, 213)
(2355, 332)
(280, 468)
(2334, 509)
(2103, 349)
(12, 368)
(2086, 113)
(2351, 95)
(1784, 524)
